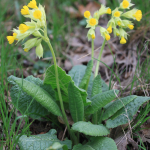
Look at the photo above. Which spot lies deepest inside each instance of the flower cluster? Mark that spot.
(92, 22)
(37, 24)
(117, 24)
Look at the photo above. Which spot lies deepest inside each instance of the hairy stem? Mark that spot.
(59, 92)
(94, 119)
(99, 58)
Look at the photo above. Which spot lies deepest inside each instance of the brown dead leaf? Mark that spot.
(79, 12)
(69, 118)
(92, 7)
(73, 12)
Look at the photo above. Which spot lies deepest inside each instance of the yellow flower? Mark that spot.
(87, 14)
(92, 22)
(25, 10)
(26, 50)
(109, 29)
(32, 4)
(37, 14)
(23, 28)
(117, 14)
(123, 40)
(14, 35)
(108, 11)
(93, 36)
(119, 23)
(117, 34)
(10, 39)
(130, 26)
(125, 4)
(138, 15)
(107, 36)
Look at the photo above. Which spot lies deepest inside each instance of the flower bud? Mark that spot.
(104, 33)
(37, 34)
(39, 51)
(91, 34)
(30, 43)
(104, 10)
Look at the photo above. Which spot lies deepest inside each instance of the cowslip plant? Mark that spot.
(85, 95)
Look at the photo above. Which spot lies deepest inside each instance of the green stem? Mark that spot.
(92, 45)
(94, 120)
(92, 57)
(59, 92)
(99, 58)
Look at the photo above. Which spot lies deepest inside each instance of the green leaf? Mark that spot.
(25, 103)
(97, 85)
(116, 105)
(64, 81)
(57, 146)
(90, 129)
(105, 87)
(37, 93)
(77, 73)
(100, 100)
(87, 75)
(97, 143)
(41, 141)
(76, 105)
(121, 117)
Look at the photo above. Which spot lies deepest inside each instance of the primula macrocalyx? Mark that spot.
(32, 4)
(123, 40)
(131, 26)
(92, 22)
(108, 11)
(26, 50)
(39, 51)
(117, 14)
(125, 4)
(87, 14)
(14, 35)
(109, 29)
(104, 10)
(25, 10)
(138, 15)
(93, 36)
(37, 14)
(119, 23)
(23, 28)
(10, 39)
(30, 43)
(107, 37)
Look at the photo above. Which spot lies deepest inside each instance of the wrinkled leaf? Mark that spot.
(41, 141)
(97, 85)
(100, 100)
(90, 129)
(64, 81)
(26, 103)
(87, 75)
(97, 143)
(75, 103)
(116, 105)
(121, 117)
(77, 73)
(37, 93)
(57, 146)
